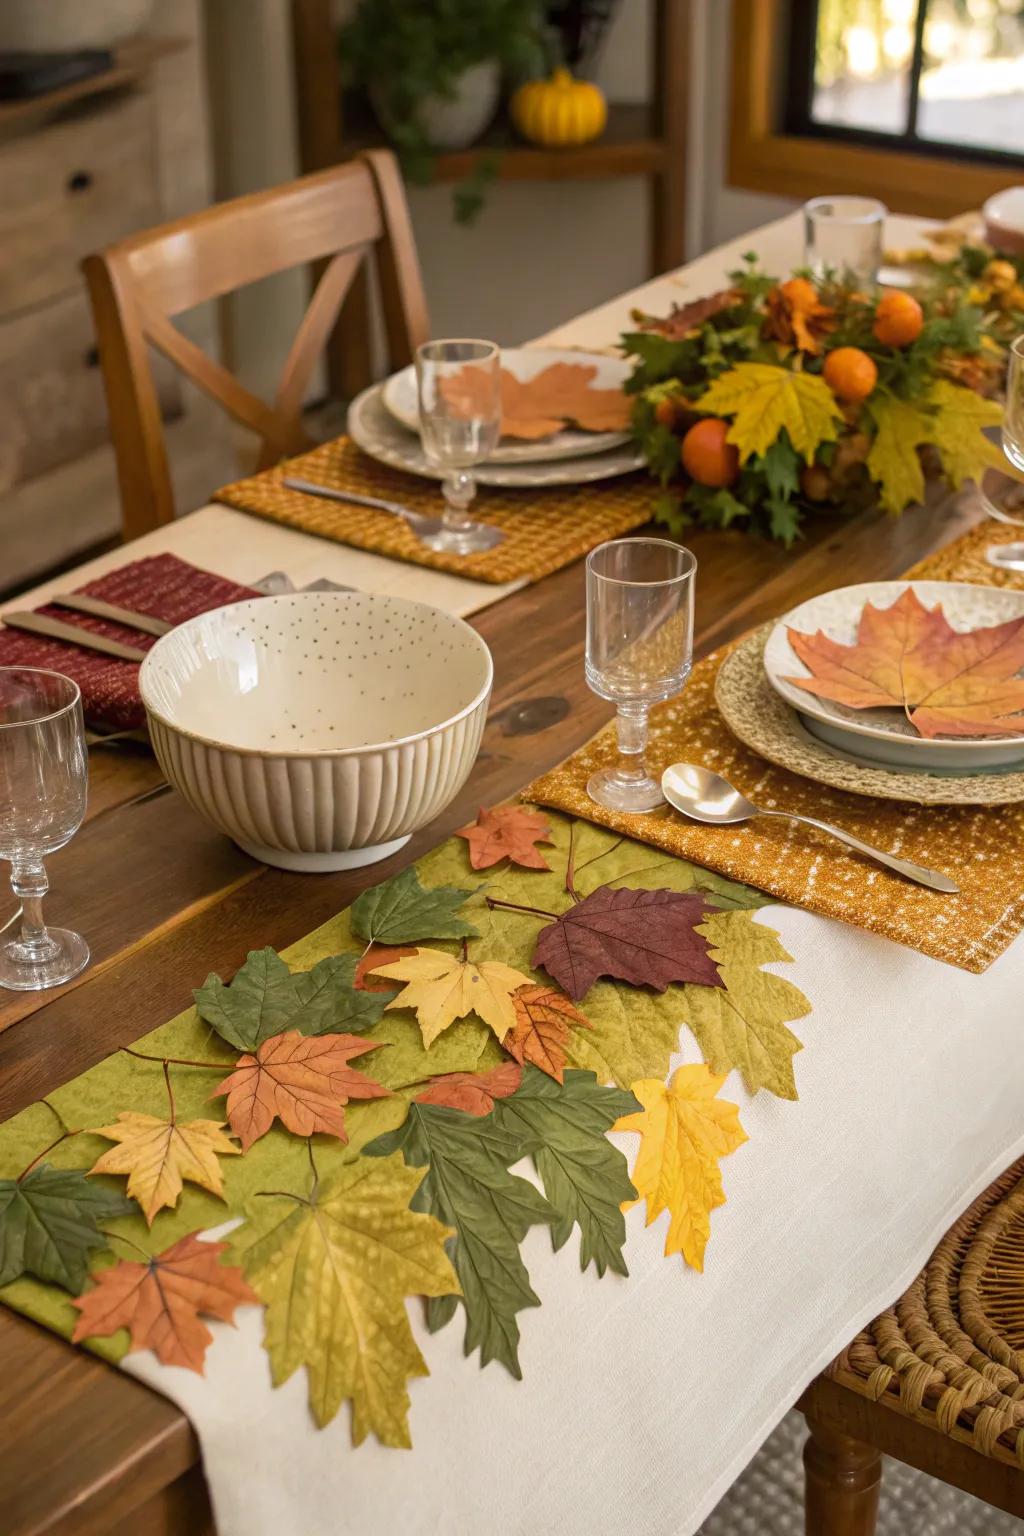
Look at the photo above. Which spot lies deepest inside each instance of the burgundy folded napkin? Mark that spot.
(161, 586)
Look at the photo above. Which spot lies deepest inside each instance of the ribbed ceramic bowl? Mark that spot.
(319, 730)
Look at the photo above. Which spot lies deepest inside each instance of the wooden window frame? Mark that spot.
(764, 159)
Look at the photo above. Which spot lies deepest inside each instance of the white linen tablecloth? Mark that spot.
(643, 1398)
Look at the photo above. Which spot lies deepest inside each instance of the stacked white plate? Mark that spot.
(384, 422)
(884, 737)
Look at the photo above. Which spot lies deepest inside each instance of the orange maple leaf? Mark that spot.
(159, 1302)
(507, 832)
(537, 407)
(543, 1018)
(796, 316)
(910, 657)
(473, 1092)
(303, 1080)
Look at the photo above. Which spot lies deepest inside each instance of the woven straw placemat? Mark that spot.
(544, 528)
(980, 846)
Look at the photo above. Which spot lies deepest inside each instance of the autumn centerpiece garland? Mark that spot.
(767, 400)
(371, 1109)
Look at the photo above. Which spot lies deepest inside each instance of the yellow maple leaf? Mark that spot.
(443, 989)
(763, 399)
(334, 1272)
(961, 415)
(157, 1155)
(893, 458)
(684, 1130)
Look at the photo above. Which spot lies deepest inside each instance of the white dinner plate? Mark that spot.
(885, 735)
(373, 429)
(400, 397)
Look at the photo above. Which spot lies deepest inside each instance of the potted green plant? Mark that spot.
(433, 73)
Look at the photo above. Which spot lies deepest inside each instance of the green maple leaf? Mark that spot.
(48, 1225)
(893, 458)
(632, 1035)
(585, 1178)
(745, 1024)
(402, 911)
(467, 1185)
(764, 399)
(266, 998)
(334, 1271)
(958, 432)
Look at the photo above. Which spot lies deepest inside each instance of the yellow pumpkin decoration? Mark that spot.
(559, 112)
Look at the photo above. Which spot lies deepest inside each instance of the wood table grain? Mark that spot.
(163, 899)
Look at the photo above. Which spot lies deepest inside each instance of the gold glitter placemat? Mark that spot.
(982, 847)
(544, 528)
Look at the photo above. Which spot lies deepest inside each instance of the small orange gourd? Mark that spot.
(559, 112)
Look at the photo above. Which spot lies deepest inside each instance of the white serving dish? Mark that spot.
(319, 730)
(401, 399)
(884, 735)
(373, 429)
(1004, 220)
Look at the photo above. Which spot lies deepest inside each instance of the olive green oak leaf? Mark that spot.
(334, 1271)
(744, 1024)
(467, 1185)
(265, 998)
(586, 1178)
(402, 911)
(49, 1225)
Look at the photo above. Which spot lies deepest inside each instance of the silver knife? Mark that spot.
(56, 629)
(78, 602)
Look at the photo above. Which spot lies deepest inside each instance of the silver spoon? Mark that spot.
(706, 796)
(423, 527)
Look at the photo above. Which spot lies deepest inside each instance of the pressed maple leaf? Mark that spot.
(402, 911)
(265, 998)
(648, 938)
(544, 1017)
(684, 1131)
(378, 954)
(157, 1155)
(301, 1080)
(49, 1225)
(473, 1092)
(160, 1302)
(507, 832)
(537, 407)
(442, 989)
(763, 399)
(334, 1271)
(910, 657)
(585, 1178)
(468, 1186)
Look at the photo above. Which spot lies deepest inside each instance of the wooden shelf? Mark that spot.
(131, 61)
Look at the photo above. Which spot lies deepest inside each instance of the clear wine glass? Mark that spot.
(639, 649)
(460, 423)
(1006, 503)
(44, 776)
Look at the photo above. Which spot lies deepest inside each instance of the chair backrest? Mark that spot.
(335, 218)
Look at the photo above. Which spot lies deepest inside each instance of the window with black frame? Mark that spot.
(935, 76)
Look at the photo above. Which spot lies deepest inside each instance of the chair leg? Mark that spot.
(842, 1482)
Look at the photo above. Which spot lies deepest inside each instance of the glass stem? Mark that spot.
(631, 729)
(459, 489)
(30, 885)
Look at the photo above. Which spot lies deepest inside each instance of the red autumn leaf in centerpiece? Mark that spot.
(302, 1080)
(363, 979)
(910, 657)
(160, 1302)
(507, 832)
(648, 938)
(473, 1093)
(686, 319)
(543, 1019)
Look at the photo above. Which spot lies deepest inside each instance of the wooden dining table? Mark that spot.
(164, 900)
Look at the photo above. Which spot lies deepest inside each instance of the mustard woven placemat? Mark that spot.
(544, 529)
(982, 847)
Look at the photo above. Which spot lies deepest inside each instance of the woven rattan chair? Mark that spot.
(937, 1381)
(336, 218)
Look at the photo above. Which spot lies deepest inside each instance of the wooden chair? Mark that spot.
(335, 218)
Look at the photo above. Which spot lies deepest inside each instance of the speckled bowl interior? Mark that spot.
(315, 672)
